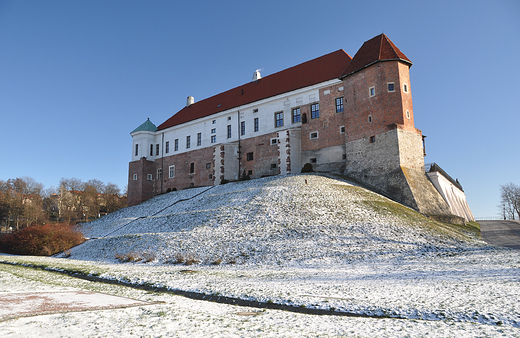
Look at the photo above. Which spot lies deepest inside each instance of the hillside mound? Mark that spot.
(294, 219)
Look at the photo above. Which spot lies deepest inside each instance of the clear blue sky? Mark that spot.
(76, 77)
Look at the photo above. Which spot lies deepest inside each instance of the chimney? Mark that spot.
(256, 75)
(190, 101)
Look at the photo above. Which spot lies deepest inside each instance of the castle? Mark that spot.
(340, 114)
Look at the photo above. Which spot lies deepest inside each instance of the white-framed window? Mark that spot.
(135, 177)
(390, 86)
(213, 138)
(176, 145)
(171, 171)
(278, 119)
(342, 129)
(242, 128)
(255, 110)
(136, 150)
(313, 135)
(274, 141)
(405, 88)
(214, 130)
(408, 114)
(296, 115)
(229, 131)
(315, 110)
(149, 177)
(339, 104)
(369, 118)
(214, 121)
(199, 139)
(256, 124)
(372, 91)
(167, 150)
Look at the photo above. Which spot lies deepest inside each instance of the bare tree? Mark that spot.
(510, 200)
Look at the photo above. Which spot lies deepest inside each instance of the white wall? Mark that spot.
(455, 197)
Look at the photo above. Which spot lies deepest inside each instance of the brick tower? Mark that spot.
(383, 147)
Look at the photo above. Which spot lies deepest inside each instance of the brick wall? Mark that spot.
(371, 115)
(264, 155)
(141, 189)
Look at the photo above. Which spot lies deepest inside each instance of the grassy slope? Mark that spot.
(278, 220)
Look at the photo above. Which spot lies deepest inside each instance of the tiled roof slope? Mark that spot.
(146, 126)
(379, 48)
(324, 68)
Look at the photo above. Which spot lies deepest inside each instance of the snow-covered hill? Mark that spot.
(283, 220)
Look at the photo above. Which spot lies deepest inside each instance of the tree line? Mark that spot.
(510, 201)
(25, 202)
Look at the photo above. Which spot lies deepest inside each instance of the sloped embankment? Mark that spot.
(297, 219)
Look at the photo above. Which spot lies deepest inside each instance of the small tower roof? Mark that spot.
(146, 126)
(377, 49)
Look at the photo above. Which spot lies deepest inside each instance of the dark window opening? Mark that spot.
(339, 105)
(192, 168)
(249, 156)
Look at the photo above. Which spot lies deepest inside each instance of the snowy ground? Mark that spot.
(325, 244)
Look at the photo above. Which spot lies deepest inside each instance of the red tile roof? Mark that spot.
(324, 68)
(379, 48)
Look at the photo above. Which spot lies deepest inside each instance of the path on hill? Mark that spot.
(501, 233)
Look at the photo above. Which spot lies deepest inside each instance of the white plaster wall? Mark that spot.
(266, 110)
(455, 197)
(143, 139)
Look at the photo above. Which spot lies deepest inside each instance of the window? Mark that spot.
(188, 142)
(273, 165)
(369, 119)
(274, 141)
(151, 149)
(296, 115)
(199, 139)
(229, 118)
(229, 131)
(149, 177)
(135, 177)
(278, 119)
(408, 114)
(250, 172)
(372, 139)
(405, 87)
(339, 105)
(315, 110)
(157, 150)
(256, 124)
(242, 128)
(159, 173)
(213, 138)
(314, 135)
(214, 130)
(214, 121)
(371, 91)
(249, 156)
(255, 110)
(176, 145)
(342, 130)
(136, 150)
(208, 165)
(171, 171)
(391, 87)
(192, 168)
(313, 160)
(167, 147)
(344, 156)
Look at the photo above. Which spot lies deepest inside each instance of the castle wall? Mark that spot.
(141, 182)
(265, 155)
(455, 197)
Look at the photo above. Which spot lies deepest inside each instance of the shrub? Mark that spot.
(307, 168)
(41, 240)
